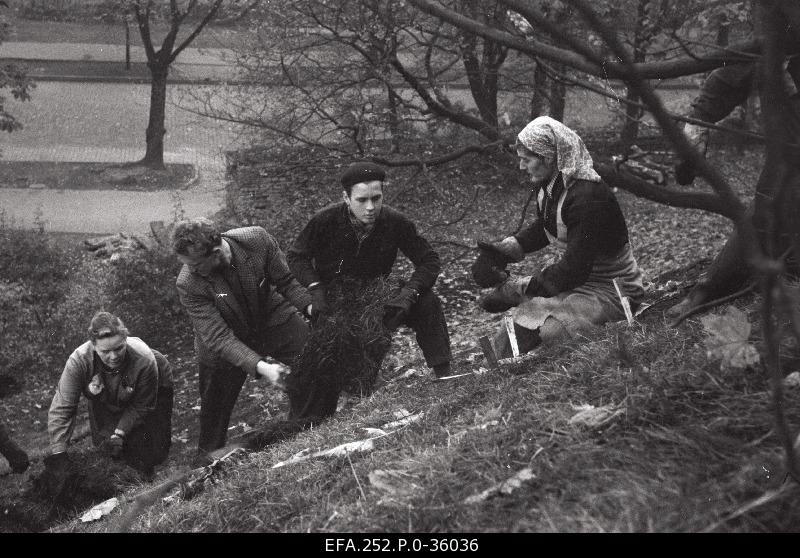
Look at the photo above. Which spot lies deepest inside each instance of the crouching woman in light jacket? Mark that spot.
(129, 391)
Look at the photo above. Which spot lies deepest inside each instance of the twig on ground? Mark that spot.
(712, 303)
(358, 482)
(766, 498)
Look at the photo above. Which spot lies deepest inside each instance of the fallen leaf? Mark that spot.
(100, 510)
(373, 432)
(593, 417)
(506, 487)
(792, 380)
(394, 484)
(403, 421)
(727, 339)
(339, 451)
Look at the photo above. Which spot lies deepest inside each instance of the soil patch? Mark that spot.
(93, 176)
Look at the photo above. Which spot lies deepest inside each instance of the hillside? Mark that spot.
(682, 446)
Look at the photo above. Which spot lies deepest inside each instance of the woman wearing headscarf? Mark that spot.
(578, 214)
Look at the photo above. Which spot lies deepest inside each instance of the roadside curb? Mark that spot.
(130, 80)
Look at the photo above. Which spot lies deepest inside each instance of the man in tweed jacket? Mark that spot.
(243, 302)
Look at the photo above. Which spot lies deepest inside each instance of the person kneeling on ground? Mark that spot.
(579, 215)
(129, 391)
(359, 237)
(16, 456)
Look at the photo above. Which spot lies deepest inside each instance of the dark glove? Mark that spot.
(685, 173)
(57, 462)
(57, 469)
(396, 310)
(18, 460)
(488, 269)
(112, 446)
(319, 304)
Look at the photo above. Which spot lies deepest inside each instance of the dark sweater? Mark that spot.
(595, 228)
(329, 245)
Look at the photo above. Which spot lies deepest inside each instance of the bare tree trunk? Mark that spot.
(394, 120)
(558, 99)
(154, 136)
(539, 91)
(127, 44)
(633, 113)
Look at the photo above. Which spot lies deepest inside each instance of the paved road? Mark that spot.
(105, 122)
(106, 53)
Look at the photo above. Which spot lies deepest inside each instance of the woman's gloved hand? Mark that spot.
(489, 268)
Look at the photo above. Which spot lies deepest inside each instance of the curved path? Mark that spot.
(103, 122)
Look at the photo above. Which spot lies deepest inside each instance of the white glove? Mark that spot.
(273, 372)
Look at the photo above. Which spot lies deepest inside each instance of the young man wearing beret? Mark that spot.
(360, 237)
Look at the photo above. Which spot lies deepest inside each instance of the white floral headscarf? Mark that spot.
(550, 138)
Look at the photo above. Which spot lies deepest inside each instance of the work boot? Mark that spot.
(201, 459)
(442, 370)
(507, 294)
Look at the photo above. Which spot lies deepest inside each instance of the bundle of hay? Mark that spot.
(346, 347)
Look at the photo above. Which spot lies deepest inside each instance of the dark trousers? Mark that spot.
(148, 445)
(426, 318)
(723, 90)
(220, 382)
(527, 340)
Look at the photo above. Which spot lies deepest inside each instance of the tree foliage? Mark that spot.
(14, 80)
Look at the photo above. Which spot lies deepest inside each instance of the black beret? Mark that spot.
(362, 172)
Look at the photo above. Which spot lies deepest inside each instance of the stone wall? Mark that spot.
(280, 192)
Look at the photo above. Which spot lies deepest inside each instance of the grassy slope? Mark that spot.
(691, 445)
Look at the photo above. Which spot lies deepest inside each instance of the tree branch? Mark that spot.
(668, 196)
(731, 206)
(608, 69)
(200, 26)
(446, 158)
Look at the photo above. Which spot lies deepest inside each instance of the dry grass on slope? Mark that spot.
(689, 446)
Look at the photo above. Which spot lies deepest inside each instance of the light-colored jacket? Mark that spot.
(127, 396)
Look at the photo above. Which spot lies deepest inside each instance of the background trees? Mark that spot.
(362, 79)
(185, 20)
(772, 233)
(351, 74)
(13, 79)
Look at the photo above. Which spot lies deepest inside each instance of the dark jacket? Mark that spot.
(329, 245)
(224, 327)
(595, 227)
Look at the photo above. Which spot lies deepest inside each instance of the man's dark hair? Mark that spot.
(200, 234)
(106, 324)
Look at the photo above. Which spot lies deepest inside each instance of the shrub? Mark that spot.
(142, 292)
